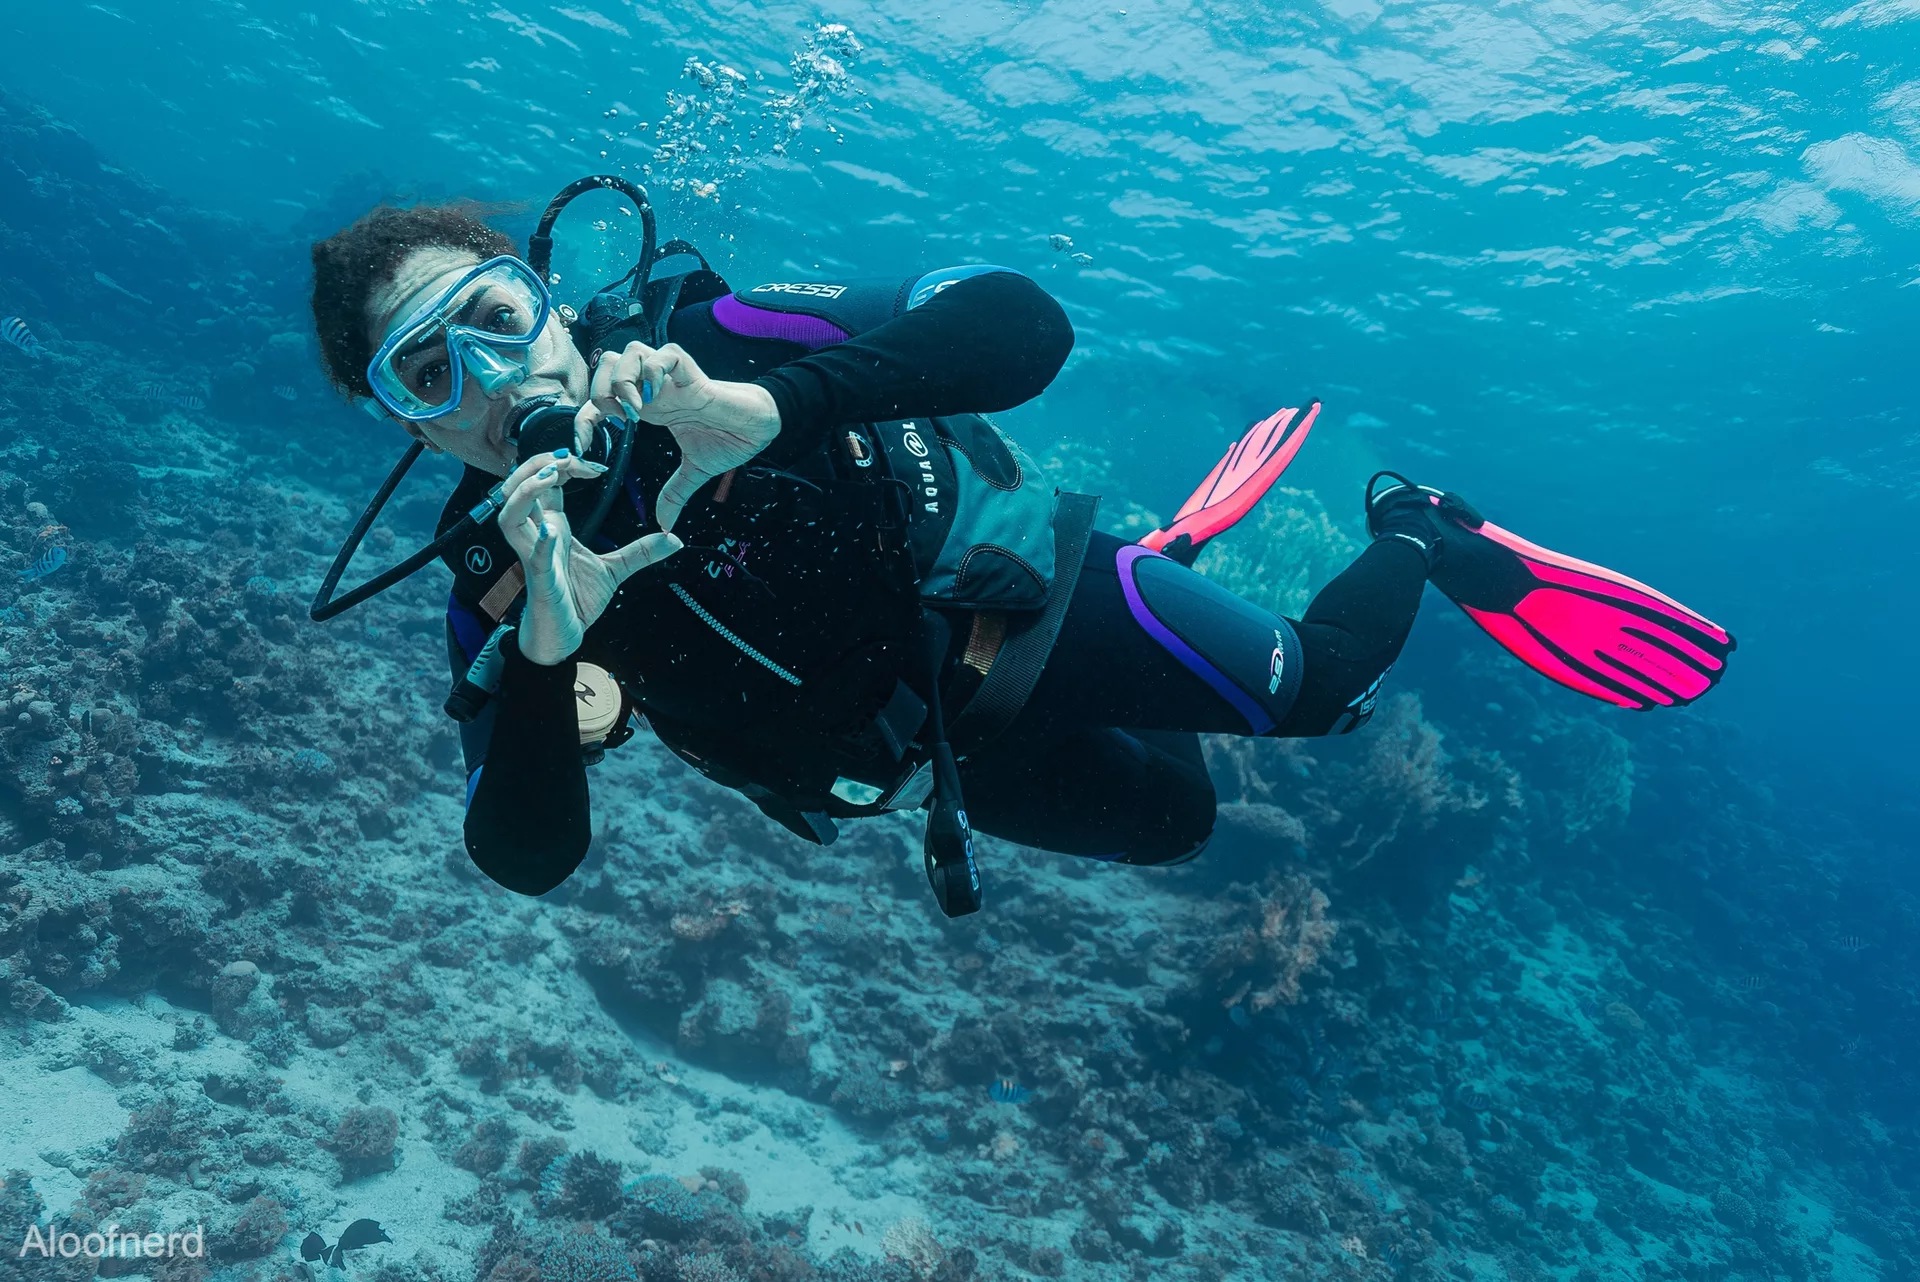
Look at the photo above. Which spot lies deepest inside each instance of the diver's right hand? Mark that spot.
(568, 584)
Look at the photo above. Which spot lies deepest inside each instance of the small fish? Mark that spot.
(857, 1229)
(1753, 983)
(1851, 944)
(356, 1235)
(285, 392)
(188, 401)
(114, 285)
(1850, 1049)
(1298, 1087)
(50, 560)
(15, 331)
(1476, 1100)
(1008, 1091)
(1328, 1136)
(1080, 259)
(1059, 243)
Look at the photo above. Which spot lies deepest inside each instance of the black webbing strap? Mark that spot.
(1016, 668)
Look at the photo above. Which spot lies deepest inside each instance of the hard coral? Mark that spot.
(659, 1206)
(570, 1255)
(910, 1240)
(863, 1094)
(537, 1153)
(706, 1267)
(1281, 937)
(579, 1185)
(486, 1149)
(364, 1140)
(165, 1137)
(259, 1228)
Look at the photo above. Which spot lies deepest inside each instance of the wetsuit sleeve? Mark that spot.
(962, 340)
(529, 818)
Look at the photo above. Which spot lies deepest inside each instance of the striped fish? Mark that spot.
(50, 560)
(1008, 1091)
(15, 331)
(285, 392)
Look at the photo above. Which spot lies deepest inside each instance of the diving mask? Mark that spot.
(484, 326)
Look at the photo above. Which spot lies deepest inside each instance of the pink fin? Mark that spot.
(1240, 479)
(1592, 629)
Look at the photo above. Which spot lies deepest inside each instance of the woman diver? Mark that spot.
(772, 523)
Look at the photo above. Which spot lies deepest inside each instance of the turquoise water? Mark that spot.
(1642, 280)
(1644, 272)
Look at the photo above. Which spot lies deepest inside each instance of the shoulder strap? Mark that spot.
(1010, 680)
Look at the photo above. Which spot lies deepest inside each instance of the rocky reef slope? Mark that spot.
(1512, 992)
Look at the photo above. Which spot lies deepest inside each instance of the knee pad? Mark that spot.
(1250, 657)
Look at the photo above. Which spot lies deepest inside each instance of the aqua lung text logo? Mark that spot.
(966, 836)
(479, 560)
(929, 483)
(802, 288)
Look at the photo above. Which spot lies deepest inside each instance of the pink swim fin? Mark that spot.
(1589, 628)
(1237, 482)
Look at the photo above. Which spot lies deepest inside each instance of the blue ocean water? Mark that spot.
(1641, 280)
(1646, 274)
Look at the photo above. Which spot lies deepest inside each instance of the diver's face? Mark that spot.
(475, 432)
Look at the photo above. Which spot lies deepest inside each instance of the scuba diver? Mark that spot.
(774, 524)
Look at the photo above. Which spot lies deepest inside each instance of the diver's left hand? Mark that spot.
(718, 425)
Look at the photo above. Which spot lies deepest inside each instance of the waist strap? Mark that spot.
(1016, 668)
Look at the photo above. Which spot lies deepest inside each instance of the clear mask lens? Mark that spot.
(482, 327)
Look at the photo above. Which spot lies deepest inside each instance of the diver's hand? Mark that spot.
(568, 583)
(718, 425)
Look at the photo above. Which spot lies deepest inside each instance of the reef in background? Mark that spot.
(1462, 996)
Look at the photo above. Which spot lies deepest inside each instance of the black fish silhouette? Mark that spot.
(356, 1235)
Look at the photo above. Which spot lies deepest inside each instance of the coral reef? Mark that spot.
(364, 1140)
(1463, 995)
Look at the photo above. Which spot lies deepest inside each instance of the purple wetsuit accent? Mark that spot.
(749, 321)
(1259, 721)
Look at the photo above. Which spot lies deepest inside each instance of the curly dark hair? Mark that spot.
(350, 264)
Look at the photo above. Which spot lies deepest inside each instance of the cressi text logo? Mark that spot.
(934, 284)
(478, 559)
(803, 288)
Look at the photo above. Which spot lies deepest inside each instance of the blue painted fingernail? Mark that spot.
(646, 391)
(561, 452)
(547, 470)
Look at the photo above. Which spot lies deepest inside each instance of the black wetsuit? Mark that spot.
(764, 663)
